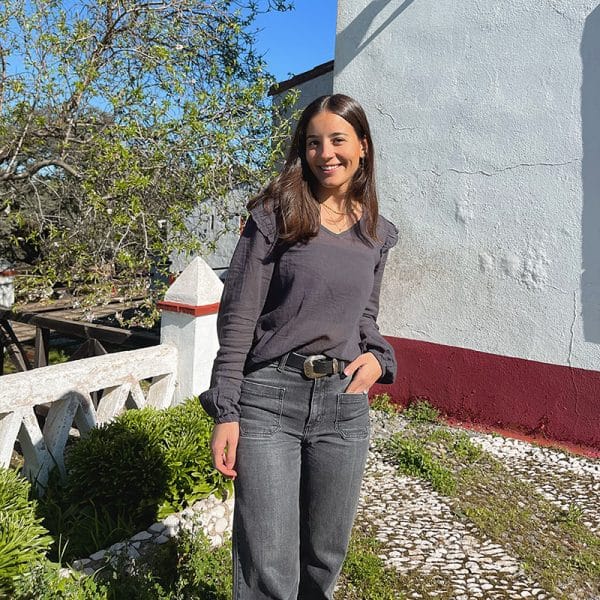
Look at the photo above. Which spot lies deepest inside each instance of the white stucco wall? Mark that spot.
(313, 88)
(307, 91)
(487, 120)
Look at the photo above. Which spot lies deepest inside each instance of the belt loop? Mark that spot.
(282, 362)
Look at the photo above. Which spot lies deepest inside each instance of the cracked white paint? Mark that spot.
(475, 109)
(498, 170)
(393, 121)
(572, 338)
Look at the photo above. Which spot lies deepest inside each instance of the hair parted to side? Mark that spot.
(291, 194)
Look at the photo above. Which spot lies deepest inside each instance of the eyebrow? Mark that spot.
(330, 135)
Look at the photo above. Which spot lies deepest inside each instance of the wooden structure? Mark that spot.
(15, 328)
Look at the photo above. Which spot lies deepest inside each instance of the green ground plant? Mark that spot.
(364, 575)
(421, 411)
(383, 403)
(45, 582)
(23, 540)
(184, 568)
(413, 458)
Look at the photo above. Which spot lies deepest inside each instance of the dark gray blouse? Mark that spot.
(319, 297)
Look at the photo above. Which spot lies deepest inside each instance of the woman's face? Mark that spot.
(333, 153)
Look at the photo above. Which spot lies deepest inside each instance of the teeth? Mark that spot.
(331, 168)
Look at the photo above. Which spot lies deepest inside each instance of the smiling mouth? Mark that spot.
(329, 168)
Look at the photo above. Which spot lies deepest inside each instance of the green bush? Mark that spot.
(184, 568)
(123, 476)
(23, 540)
(204, 572)
(121, 465)
(45, 582)
(186, 442)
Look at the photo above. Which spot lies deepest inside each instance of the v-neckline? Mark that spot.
(339, 233)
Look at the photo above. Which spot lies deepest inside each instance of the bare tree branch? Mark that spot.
(33, 169)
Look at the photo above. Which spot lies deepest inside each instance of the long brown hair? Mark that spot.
(291, 195)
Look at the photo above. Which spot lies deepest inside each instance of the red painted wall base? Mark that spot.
(557, 403)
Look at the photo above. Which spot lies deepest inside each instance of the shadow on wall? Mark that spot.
(590, 172)
(353, 36)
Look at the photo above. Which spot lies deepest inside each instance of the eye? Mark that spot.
(312, 144)
(338, 140)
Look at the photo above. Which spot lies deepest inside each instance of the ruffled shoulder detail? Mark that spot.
(389, 233)
(264, 217)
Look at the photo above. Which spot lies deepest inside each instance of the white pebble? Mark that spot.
(141, 536)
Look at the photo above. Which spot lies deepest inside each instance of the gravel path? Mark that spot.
(420, 534)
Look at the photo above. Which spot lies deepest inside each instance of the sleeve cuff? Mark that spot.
(388, 365)
(222, 407)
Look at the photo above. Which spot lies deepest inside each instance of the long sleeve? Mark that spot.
(371, 339)
(243, 298)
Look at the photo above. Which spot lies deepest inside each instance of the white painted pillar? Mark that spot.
(189, 322)
(7, 289)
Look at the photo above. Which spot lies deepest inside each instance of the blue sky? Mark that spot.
(298, 40)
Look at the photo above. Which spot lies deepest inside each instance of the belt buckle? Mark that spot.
(309, 367)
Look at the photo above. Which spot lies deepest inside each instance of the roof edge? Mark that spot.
(284, 86)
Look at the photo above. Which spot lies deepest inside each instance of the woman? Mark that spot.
(299, 350)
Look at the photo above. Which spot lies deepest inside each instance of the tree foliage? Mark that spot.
(117, 119)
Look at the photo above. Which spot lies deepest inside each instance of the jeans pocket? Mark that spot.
(260, 409)
(352, 416)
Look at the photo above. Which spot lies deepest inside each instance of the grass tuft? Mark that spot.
(421, 411)
(383, 403)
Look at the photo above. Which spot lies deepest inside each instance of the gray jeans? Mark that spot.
(300, 461)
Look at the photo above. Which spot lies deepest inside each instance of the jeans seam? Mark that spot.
(236, 566)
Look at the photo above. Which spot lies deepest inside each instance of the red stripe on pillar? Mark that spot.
(555, 402)
(188, 309)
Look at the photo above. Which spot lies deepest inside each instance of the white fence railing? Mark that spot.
(157, 376)
(66, 391)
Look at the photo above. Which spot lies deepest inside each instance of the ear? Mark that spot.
(364, 147)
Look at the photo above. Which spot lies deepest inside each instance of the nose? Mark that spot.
(326, 150)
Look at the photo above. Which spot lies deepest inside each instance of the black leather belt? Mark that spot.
(314, 366)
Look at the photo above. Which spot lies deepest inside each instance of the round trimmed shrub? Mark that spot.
(123, 476)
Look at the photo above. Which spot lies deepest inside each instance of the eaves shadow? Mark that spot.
(590, 173)
(355, 32)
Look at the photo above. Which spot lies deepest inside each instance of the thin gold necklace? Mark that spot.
(336, 225)
(335, 212)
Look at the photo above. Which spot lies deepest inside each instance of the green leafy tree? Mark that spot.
(118, 119)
